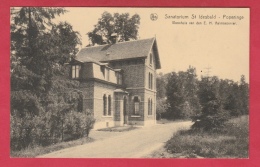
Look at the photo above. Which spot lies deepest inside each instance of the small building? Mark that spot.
(118, 82)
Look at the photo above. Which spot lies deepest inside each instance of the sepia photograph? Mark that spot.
(128, 82)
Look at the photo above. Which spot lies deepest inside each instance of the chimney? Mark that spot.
(114, 38)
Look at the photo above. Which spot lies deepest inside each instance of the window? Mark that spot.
(106, 74)
(150, 106)
(150, 81)
(119, 78)
(136, 105)
(151, 58)
(109, 105)
(104, 105)
(75, 71)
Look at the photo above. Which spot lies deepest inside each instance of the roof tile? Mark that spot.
(118, 51)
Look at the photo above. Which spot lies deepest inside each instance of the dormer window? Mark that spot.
(75, 71)
(107, 73)
(119, 78)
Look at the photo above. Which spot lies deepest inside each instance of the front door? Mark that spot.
(125, 111)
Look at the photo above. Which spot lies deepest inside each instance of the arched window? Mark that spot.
(151, 58)
(109, 105)
(149, 78)
(149, 106)
(104, 105)
(151, 81)
(136, 105)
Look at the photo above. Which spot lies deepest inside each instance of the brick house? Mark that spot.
(118, 82)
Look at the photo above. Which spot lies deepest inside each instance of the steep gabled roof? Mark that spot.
(119, 51)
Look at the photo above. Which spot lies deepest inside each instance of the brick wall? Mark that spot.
(87, 89)
(99, 90)
(135, 78)
(133, 72)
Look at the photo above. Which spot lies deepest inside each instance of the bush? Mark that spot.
(212, 118)
(48, 128)
(77, 125)
(161, 107)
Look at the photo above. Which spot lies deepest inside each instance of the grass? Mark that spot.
(166, 121)
(232, 142)
(35, 151)
(39, 150)
(118, 129)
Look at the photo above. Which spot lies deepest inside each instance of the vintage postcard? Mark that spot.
(110, 82)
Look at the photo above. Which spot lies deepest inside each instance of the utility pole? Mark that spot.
(207, 71)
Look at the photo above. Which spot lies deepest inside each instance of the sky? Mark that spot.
(216, 49)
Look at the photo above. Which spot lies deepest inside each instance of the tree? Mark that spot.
(123, 25)
(235, 96)
(161, 108)
(160, 86)
(212, 116)
(45, 103)
(181, 91)
(30, 37)
(175, 96)
(39, 49)
(244, 95)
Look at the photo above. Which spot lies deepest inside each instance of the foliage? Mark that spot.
(161, 108)
(48, 128)
(213, 116)
(123, 25)
(182, 94)
(45, 103)
(23, 102)
(78, 125)
(161, 86)
(230, 142)
(209, 102)
(39, 48)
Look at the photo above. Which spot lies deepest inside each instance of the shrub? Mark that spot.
(212, 118)
(161, 107)
(77, 125)
(48, 128)
(20, 132)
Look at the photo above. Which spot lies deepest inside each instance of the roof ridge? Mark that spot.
(119, 43)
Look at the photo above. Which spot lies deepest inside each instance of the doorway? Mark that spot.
(125, 110)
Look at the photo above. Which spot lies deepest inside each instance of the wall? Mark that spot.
(133, 72)
(150, 93)
(150, 119)
(97, 73)
(87, 89)
(100, 89)
(135, 78)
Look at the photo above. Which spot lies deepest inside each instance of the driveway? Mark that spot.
(130, 144)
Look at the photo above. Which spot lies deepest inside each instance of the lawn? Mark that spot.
(232, 142)
(119, 129)
(39, 150)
